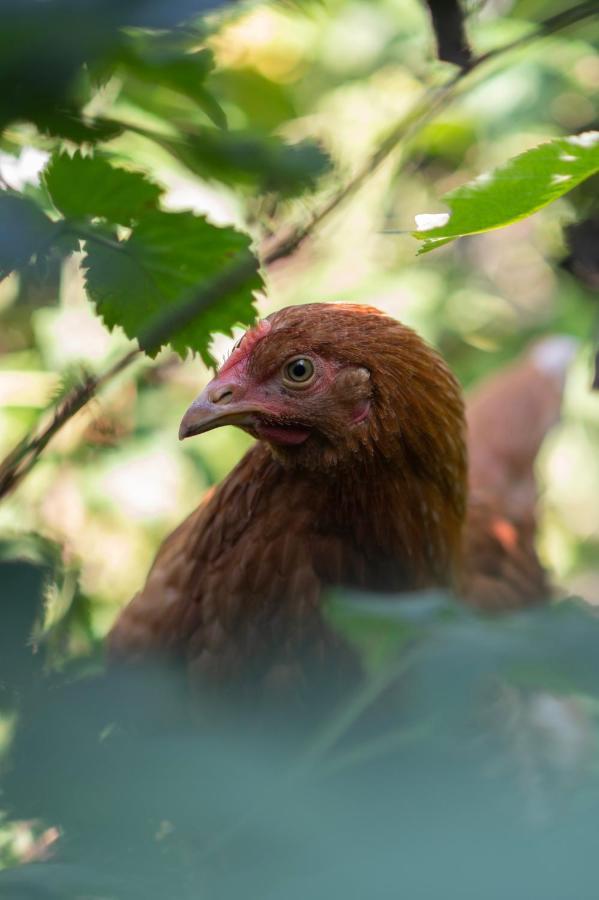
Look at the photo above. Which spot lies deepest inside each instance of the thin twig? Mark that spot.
(26, 453)
(24, 456)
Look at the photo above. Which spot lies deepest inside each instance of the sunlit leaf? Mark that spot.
(165, 257)
(265, 103)
(157, 61)
(517, 189)
(89, 186)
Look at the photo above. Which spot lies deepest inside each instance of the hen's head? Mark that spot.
(324, 384)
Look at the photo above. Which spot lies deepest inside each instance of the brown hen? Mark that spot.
(358, 479)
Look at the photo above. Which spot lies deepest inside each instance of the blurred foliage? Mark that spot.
(477, 777)
(159, 79)
(466, 765)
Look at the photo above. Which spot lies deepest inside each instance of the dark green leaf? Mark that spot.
(519, 188)
(69, 124)
(156, 61)
(89, 186)
(165, 257)
(44, 46)
(208, 104)
(240, 157)
(24, 231)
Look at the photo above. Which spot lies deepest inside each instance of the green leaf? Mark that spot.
(165, 257)
(69, 123)
(266, 104)
(89, 186)
(24, 231)
(159, 61)
(182, 71)
(210, 105)
(264, 162)
(517, 189)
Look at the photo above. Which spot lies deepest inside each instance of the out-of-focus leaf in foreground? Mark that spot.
(264, 162)
(517, 189)
(165, 257)
(24, 231)
(463, 767)
(44, 45)
(161, 59)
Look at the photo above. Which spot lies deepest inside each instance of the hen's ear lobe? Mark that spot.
(356, 377)
(353, 385)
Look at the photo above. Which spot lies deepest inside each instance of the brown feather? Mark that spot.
(379, 505)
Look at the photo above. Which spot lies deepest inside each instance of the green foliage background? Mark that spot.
(207, 140)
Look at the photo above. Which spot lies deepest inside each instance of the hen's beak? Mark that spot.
(217, 405)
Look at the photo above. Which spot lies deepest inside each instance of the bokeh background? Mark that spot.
(116, 480)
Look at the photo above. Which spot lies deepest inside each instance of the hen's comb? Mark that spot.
(246, 344)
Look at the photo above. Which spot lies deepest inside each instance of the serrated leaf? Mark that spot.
(165, 257)
(25, 230)
(245, 158)
(522, 186)
(89, 187)
(69, 124)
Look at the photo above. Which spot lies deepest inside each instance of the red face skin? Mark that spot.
(268, 404)
(269, 399)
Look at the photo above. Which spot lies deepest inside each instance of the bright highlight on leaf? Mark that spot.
(425, 221)
(522, 186)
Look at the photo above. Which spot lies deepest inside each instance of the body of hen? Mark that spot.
(237, 589)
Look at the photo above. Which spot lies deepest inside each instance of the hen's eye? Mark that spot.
(298, 371)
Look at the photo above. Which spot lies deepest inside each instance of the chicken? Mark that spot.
(508, 417)
(358, 479)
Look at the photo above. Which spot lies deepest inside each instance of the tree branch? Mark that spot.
(23, 457)
(448, 24)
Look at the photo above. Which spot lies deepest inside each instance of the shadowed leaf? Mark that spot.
(24, 231)
(234, 157)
